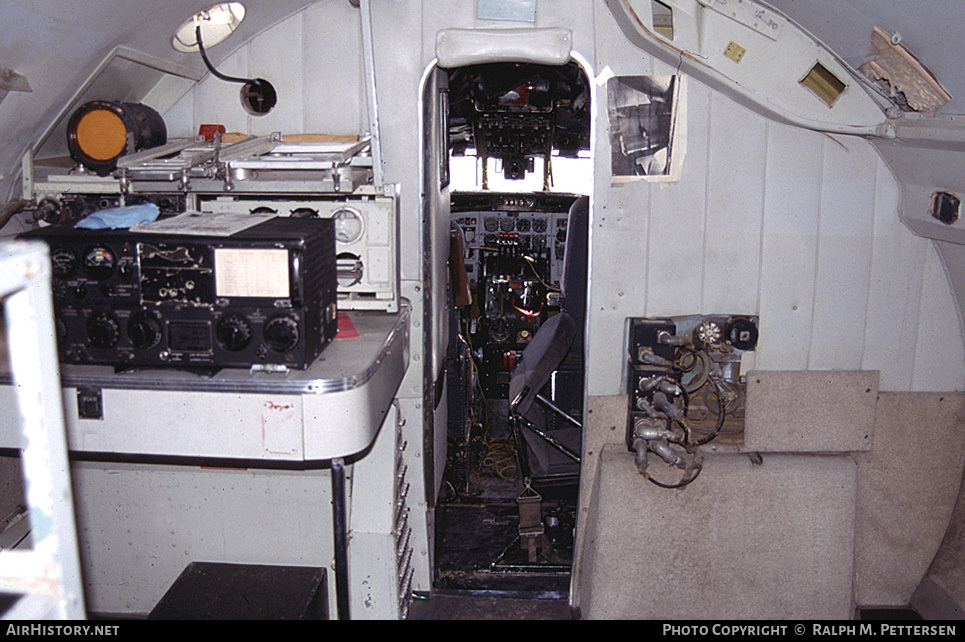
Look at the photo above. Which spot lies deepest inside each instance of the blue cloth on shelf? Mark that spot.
(120, 217)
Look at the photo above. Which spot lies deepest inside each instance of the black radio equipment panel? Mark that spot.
(263, 296)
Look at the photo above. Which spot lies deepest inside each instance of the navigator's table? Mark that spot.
(330, 411)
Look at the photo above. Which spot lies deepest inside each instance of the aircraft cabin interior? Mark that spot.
(500, 309)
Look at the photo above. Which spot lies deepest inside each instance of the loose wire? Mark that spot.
(500, 452)
(217, 74)
(500, 455)
(679, 484)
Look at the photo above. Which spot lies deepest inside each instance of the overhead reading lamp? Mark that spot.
(211, 26)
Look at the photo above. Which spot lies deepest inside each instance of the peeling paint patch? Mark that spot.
(910, 84)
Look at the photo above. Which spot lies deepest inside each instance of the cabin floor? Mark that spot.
(482, 569)
(465, 606)
(482, 572)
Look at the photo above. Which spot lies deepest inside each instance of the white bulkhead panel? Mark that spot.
(319, 79)
(798, 227)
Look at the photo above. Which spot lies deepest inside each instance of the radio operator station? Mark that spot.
(501, 309)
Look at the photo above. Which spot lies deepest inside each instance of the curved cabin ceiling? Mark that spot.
(930, 30)
(55, 45)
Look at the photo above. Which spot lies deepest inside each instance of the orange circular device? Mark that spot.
(101, 134)
(101, 131)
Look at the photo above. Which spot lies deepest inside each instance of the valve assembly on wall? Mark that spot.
(675, 366)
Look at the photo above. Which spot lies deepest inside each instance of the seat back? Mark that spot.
(541, 357)
(573, 284)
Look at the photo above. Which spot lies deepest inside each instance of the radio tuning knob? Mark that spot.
(281, 334)
(144, 330)
(103, 331)
(233, 332)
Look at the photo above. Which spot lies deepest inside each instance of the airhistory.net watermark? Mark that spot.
(62, 629)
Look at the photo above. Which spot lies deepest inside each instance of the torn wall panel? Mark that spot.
(908, 81)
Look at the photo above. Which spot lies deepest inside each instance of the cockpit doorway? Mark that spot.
(520, 175)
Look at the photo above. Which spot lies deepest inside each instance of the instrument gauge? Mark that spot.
(99, 263)
(63, 262)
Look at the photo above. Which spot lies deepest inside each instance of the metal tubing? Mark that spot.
(368, 59)
(341, 538)
(551, 441)
(559, 411)
(640, 457)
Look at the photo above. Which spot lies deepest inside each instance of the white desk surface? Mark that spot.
(332, 409)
